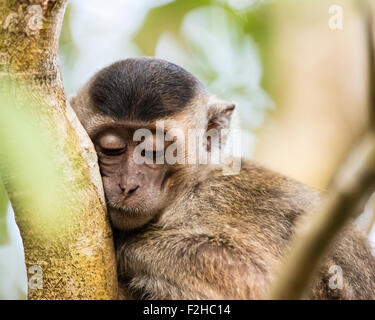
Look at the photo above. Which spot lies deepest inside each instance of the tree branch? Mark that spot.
(350, 188)
(48, 163)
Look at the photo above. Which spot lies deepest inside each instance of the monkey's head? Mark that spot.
(138, 113)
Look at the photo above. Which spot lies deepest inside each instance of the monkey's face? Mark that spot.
(135, 175)
(141, 177)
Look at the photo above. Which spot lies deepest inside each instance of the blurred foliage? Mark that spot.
(219, 44)
(225, 43)
(254, 20)
(23, 154)
(164, 18)
(4, 237)
(27, 159)
(32, 169)
(67, 44)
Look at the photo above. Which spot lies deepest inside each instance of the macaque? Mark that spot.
(185, 228)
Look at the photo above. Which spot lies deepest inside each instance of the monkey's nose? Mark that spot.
(129, 188)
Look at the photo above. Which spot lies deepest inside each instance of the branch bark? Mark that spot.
(65, 230)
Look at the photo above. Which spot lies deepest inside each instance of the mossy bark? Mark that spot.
(74, 249)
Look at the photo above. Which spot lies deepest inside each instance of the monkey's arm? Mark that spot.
(348, 272)
(168, 264)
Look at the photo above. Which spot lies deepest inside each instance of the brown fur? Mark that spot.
(225, 238)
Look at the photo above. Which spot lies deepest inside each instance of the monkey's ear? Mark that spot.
(219, 113)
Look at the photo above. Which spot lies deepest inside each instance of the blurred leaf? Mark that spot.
(255, 21)
(66, 42)
(27, 154)
(68, 49)
(259, 24)
(164, 18)
(4, 237)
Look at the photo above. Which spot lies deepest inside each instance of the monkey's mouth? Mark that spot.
(127, 210)
(129, 218)
(126, 206)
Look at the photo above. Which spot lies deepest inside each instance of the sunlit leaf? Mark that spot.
(3, 210)
(27, 160)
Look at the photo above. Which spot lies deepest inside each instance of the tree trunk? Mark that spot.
(61, 210)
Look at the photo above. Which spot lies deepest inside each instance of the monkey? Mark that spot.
(187, 230)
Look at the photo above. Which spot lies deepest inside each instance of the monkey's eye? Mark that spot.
(113, 152)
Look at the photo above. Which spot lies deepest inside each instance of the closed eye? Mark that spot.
(113, 152)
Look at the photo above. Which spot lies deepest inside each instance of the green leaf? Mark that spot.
(164, 18)
(4, 237)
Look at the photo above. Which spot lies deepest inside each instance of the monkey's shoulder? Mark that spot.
(255, 189)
